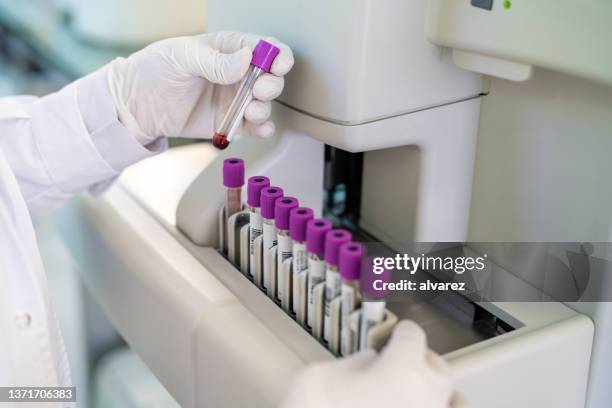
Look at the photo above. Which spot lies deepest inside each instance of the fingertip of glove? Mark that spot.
(263, 131)
(266, 130)
(283, 63)
(268, 87)
(257, 112)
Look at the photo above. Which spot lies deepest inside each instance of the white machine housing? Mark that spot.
(355, 60)
(511, 37)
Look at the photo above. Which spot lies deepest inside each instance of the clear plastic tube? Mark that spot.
(270, 240)
(372, 300)
(372, 313)
(268, 199)
(349, 264)
(334, 240)
(333, 285)
(233, 180)
(254, 187)
(285, 251)
(350, 301)
(233, 201)
(316, 275)
(316, 230)
(298, 220)
(235, 112)
(261, 61)
(282, 215)
(300, 265)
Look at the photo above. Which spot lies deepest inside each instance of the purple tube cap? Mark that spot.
(254, 187)
(283, 206)
(315, 235)
(264, 54)
(268, 201)
(349, 260)
(369, 275)
(333, 241)
(233, 172)
(298, 218)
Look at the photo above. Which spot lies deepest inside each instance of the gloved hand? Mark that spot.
(182, 86)
(405, 374)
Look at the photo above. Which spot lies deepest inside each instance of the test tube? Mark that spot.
(284, 205)
(268, 204)
(263, 56)
(334, 239)
(349, 264)
(233, 180)
(373, 301)
(315, 245)
(254, 187)
(298, 218)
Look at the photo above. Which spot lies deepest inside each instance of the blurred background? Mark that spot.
(45, 44)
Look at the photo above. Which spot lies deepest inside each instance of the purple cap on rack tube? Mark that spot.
(349, 260)
(268, 201)
(333, 241)
(369, 278)
(315, 235)
(298, 218)
(284, 205)
(233, 172)
(264, 54)
(254, 187)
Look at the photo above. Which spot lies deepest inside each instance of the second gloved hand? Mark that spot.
(181, 87)
(405, 374)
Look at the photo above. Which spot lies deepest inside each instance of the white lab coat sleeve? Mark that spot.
(67, 142)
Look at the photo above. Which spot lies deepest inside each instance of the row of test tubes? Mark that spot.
(318, 256)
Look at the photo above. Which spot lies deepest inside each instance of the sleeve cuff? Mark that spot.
(117, 146)
(80, 137)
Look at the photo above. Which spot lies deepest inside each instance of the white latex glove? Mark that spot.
(182, 86)
(405, 374)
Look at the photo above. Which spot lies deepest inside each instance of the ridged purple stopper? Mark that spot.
(264, 54)
(368, 277)
(333, 241)
(233, 172)
(254, 187)
(284, 205)
(298, 218)
(349, 260)
(268, 201)
(315, 235)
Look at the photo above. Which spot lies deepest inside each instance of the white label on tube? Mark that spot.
(316, 275)
(347, 305)
(372, 313)
(283, 253)
(255, 230)
(332, 290)
(300, 264)
(269, 242)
